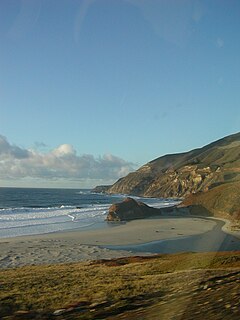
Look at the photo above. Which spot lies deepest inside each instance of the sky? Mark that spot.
(91, 90)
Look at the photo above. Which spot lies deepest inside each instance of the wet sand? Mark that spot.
(211, 241)
(154, 235)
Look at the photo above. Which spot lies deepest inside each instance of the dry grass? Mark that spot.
(116, 281)
(222, 201)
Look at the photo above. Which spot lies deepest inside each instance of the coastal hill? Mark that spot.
(177, 175)
(207, 176)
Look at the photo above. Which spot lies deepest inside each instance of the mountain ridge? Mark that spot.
(191, 176)
(177, 175)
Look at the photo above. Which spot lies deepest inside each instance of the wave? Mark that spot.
(83, 192)
(22, 217)
(37, 220)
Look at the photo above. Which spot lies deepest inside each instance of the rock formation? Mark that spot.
(100, 189)
(179, 175)
(130, 209)
(208, 176)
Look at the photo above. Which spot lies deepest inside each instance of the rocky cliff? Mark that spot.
(100, 189)
(208, 178)
(179, 175)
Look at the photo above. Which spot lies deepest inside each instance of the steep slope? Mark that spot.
(179, 175)
(222, 201)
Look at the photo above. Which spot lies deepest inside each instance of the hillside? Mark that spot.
(178, 175)
(180, 286)
(222, 201)
(211, 173)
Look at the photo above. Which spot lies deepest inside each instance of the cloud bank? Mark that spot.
(61, 163)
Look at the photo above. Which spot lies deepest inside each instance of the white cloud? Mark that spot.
(61, 163)
(64, 150)
(8, 151)
(39, 145)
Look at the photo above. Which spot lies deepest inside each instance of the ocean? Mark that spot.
(29, 211)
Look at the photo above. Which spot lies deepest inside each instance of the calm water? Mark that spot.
(25, 211)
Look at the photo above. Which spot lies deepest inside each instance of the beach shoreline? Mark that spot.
(137, 237)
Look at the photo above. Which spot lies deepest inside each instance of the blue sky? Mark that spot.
(92, 89)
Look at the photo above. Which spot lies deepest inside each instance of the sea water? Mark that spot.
(28, 211)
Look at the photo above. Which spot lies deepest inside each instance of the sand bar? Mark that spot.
(115, 240)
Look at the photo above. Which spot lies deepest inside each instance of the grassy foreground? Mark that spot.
(178, 286)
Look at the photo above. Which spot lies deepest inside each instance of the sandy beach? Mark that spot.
(162, 234)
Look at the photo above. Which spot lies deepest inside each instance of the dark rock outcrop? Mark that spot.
(130, 209)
